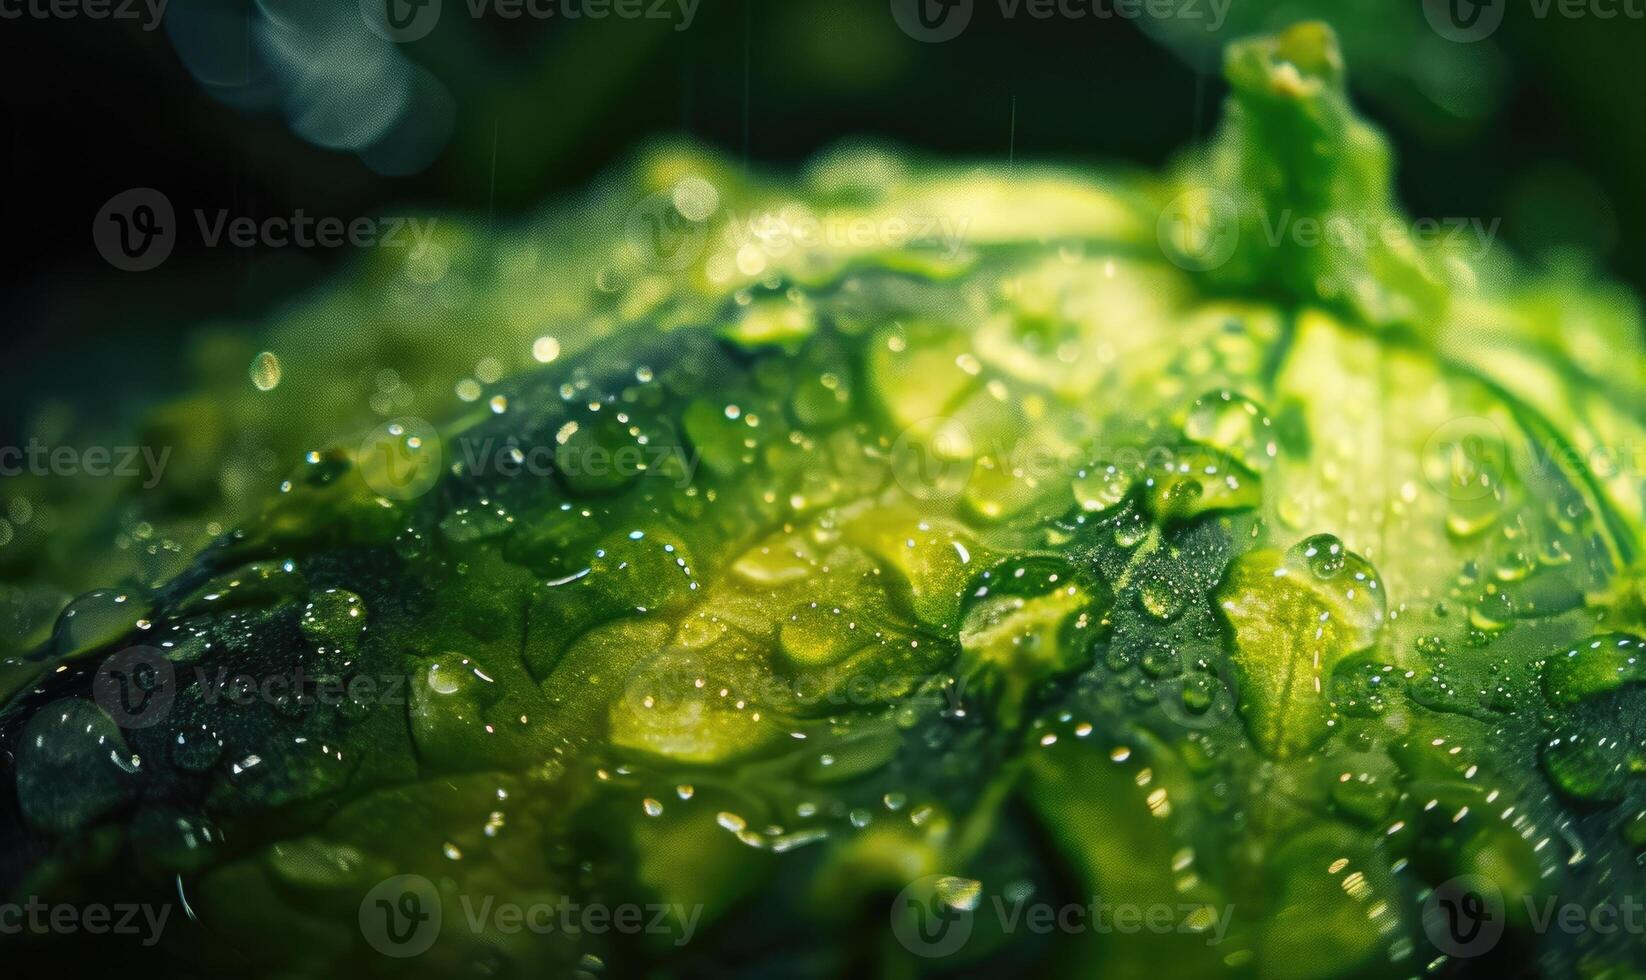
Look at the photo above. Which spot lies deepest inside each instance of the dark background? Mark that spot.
(1538, 125)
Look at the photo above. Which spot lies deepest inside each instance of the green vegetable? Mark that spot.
(833, 602)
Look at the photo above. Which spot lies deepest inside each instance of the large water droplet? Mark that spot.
(96, 620)
(1101, 487)
(73, 767)
(1236, 425)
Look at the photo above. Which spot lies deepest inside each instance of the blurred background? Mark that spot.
(265, 107)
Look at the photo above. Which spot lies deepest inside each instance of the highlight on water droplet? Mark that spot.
(265, 371)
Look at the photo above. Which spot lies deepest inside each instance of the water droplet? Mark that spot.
(95, 620)
(1236, 425)
(545, 349)
(333, 620)
(72, 766)
(265, 371)
(1101, 487)
(964, 894)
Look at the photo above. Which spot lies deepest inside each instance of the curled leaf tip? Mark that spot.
(1294, 195)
